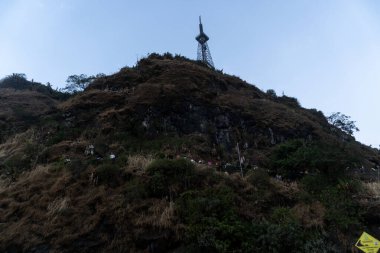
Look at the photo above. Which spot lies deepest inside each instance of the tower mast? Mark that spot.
(204, 54)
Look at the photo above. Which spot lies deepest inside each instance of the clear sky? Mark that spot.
(325, 53)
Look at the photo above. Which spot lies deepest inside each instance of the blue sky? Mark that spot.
(325, 53)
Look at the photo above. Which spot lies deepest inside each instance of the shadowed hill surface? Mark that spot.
(183, 100)
(22, 103)
(137, 162)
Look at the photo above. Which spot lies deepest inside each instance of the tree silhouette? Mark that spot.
(78, 83)
(342, 122)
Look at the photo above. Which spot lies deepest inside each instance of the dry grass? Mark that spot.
(310, 215)
(36, 174)
(138, 163)
(166, 218)
(3, 184)
(33, 178)
(288, 189)
(59, 205)
(372, 189)
(160, 215)
(17, 143)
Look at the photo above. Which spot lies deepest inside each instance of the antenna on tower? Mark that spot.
(200, 25)
(204, 54)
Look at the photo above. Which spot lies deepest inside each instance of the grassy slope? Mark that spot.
(133, 207)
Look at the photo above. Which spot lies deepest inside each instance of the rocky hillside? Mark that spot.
(187, 103)
(146, 160)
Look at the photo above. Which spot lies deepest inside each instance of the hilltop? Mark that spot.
(169, 105)
(145, 160)
(22, 102)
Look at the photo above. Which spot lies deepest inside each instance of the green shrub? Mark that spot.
(318, 242)
(271, 237)
(193, 206)
(293, 158)
(291, 237)
(214, 225)
(287, 158)
(166, 175)
(342, 211)
(211, 219)
(108, 174)
(134, 190)
(121, 160)
(315, 184)
(158, 185)
(336, 195)
(282, 216)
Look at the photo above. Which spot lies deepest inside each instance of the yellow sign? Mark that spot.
(368, 243)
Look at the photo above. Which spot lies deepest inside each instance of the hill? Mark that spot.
(22, 103)
(145, 160)
(174, 105)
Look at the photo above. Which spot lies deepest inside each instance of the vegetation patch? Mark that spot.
(109, 174)
(169, 177)
(294, 158)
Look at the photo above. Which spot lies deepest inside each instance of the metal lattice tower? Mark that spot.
(203, 50)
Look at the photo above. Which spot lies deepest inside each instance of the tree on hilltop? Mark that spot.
(16, 81)
(342, 122)
(78, 83)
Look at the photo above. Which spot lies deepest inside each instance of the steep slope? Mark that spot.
(23, 105)
(188, 103)
(136, 163)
